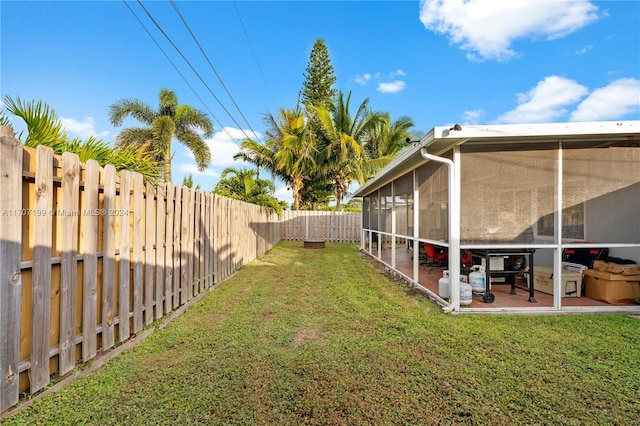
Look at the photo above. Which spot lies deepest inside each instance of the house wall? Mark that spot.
(507, 195)
(607, 182)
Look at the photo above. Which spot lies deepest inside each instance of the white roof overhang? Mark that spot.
(441, 139)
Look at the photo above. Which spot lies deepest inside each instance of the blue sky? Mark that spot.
(438, 62)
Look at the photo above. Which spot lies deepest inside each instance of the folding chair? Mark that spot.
(434, 257)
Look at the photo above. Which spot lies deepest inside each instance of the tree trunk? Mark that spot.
(167, 169)
(296, 187)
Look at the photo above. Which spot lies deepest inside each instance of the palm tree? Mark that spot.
(171, 120)
(343, 153)
(262, 155)
(244, 185)
(296, 158)
(385, 141)
(318, 191)
(289, 150)
(44, 128)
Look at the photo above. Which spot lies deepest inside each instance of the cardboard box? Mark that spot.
(571, 282)
(627, 270)
(600, 265)
(612, 288)
(615, 268)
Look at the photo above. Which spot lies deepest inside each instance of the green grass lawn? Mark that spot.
(322, 337)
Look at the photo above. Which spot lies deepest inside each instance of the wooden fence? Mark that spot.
(89, 257)
(329, 226)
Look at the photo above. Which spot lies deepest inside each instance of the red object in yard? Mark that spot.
(435, 257)
(466, 259)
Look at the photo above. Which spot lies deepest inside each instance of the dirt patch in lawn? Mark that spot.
(304, 335)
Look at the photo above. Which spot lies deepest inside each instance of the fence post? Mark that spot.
(10, 275)
(41, 271)
(68, 245)
(90, 261)
(124, 265)
(109, 257)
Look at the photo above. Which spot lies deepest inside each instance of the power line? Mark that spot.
(190, 66)
(253, 52)
(178, 71)
(175, 7)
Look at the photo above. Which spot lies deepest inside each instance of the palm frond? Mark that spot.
(136, 137)
(91, 149)
(198, 147)
(136, 159)
(4, 120)
(168, 102)
(43, 125)
(163, 129)
(191, 119)
(131, 108)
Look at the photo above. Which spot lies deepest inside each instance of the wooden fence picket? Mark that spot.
(160, 248)
(184, 247)
(89, 244)
(190, 243)
(206, 207)
(138, 255)
(41, 271)
(109, 216)
(124, 262)
(168, 254)
(149, 253)
(10, 272)
(196, 243)
(215, 233)
(177, 247)
(68, 246)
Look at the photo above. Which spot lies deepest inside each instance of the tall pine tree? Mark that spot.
(317, 88)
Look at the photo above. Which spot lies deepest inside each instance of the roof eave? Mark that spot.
(442, 138)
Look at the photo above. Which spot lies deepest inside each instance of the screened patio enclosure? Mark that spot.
(505, 195)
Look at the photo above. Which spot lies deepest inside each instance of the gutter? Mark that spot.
(454, 231)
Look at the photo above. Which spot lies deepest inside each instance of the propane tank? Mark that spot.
(466, 293)
(477, 279)
(444, 286)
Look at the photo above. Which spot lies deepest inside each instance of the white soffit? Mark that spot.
(442, 138)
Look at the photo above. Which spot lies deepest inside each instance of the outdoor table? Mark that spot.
(488, 296)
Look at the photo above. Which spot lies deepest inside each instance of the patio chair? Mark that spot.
(434, 257)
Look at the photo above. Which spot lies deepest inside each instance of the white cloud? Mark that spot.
(486, 29)
(283, 193)
(84, 129)
(545, 102)
(614, 101)
(362, 79)
(386, 83)
(472, 116)
(391, 87)
(191, 168)
(225, 144)
(584, 49)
